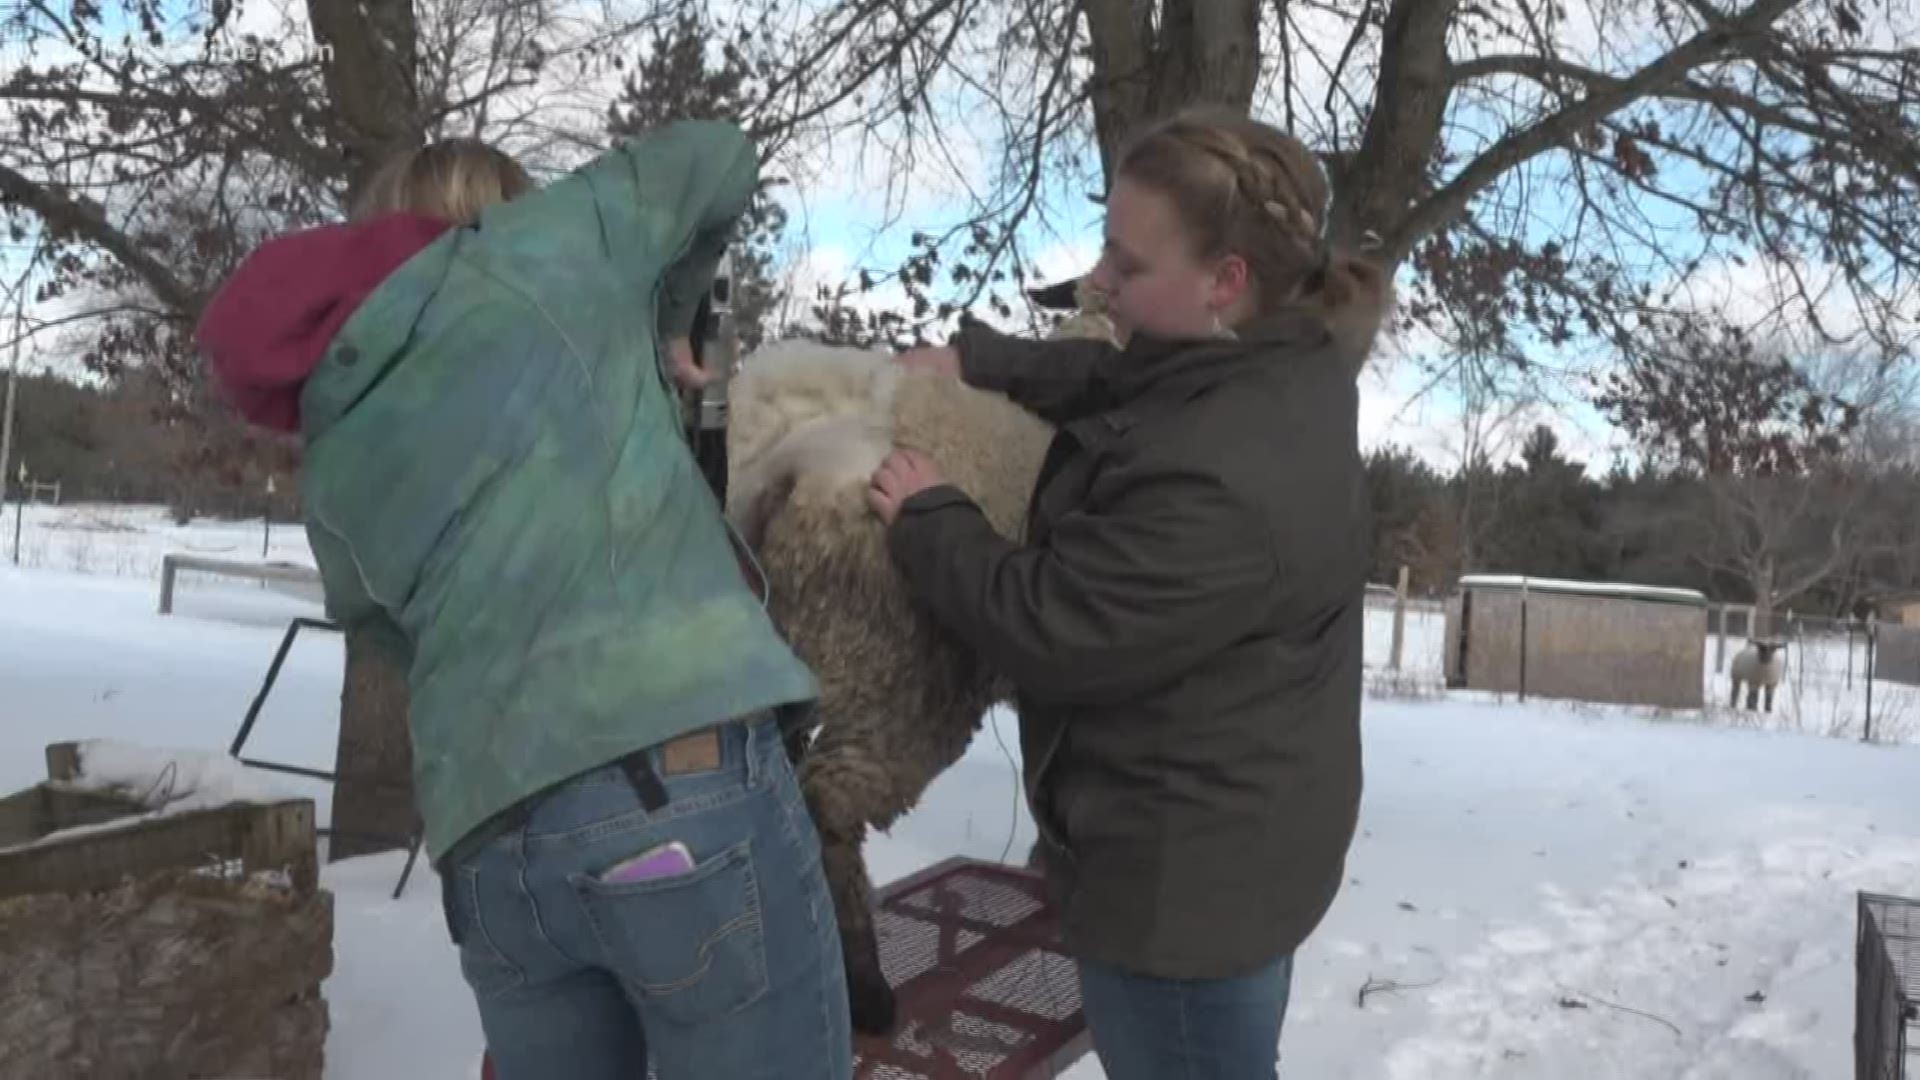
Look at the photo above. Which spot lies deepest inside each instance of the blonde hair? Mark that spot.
(453, 179)
(1247, 188)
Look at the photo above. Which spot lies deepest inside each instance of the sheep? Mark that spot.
(1758, 666)
(900, 698)
(1090, 318)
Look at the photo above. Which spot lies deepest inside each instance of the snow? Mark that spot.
(170, 779)
(165, 781)
(1583, 588)
(1539, 890)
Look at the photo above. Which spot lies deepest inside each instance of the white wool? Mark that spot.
(1749, 668)
(815, 412)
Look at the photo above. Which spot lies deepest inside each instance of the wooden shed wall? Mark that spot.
(1609, 649)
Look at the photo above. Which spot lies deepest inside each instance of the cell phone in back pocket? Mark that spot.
(668, 859)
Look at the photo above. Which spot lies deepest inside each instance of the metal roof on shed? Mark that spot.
(1613, 590)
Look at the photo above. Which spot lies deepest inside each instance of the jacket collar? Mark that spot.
(1153, 371)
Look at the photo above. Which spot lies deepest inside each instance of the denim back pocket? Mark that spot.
(691, 946)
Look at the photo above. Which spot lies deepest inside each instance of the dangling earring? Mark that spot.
(1222, 330)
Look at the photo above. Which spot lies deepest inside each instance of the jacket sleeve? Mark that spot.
(1056, 380)
(1117, 602)
(349, 601)
(674, 195)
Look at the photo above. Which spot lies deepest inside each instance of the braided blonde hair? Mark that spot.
(1246, 188)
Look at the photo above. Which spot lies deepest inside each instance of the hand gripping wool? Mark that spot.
(900, 698)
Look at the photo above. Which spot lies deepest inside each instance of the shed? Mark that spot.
(1896, 654)
(1899, 609)
(1587, 641)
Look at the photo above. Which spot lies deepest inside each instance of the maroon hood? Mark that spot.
(267, 327)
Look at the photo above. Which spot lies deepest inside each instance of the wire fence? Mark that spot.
(1886, 987)
(1844, 678)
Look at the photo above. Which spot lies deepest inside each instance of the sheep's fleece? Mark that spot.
(900, 698)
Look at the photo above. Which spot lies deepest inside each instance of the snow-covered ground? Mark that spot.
(1545, 891)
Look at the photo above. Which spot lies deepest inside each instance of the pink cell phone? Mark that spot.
(666, 860)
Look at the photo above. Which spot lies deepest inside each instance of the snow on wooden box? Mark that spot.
(159, 926)
(1583, 641)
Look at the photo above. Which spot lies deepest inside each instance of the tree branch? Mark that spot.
(1559, 127)
(66, 216)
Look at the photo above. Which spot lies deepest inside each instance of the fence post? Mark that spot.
(19, 512)
(1399, 621)
(1466, 635)
(1523, 641)
(1798, 633)
(167, 570)
(1719, 638)
(1873, 636)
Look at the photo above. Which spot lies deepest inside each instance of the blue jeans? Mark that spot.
(1147, 1028)
(731, 971)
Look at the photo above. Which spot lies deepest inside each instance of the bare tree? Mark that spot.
(1788, 496)
(1584, 167)
(1490, 423)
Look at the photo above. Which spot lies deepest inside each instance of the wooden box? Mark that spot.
(185, 945)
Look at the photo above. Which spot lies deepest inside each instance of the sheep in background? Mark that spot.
(900, 698)
(1758, 667)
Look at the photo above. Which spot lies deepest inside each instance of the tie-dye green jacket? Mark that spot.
(496, 477)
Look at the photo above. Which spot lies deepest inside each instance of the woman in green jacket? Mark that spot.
(497, 486)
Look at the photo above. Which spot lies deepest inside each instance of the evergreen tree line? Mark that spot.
(121, 441)
(1830, 541)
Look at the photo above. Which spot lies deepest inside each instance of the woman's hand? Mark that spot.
(939, 359)
(687, 373)
(903, 475)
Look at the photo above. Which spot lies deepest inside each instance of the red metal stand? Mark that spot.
(972, 950)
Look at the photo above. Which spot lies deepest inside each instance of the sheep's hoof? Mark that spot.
(873, 1009)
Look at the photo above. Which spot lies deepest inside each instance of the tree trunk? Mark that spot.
(1392, 167)
(1762, 601)
(369, 63)
(373, 805)
(1204, 52)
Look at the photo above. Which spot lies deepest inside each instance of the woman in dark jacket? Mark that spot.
(1183, 621)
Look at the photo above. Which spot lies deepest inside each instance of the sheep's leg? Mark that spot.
(1733, 699)
(1753, 696)
(870, 999)
(845, 789)
(1769, 698)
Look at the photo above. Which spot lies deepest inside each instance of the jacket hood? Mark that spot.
(270, 323)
